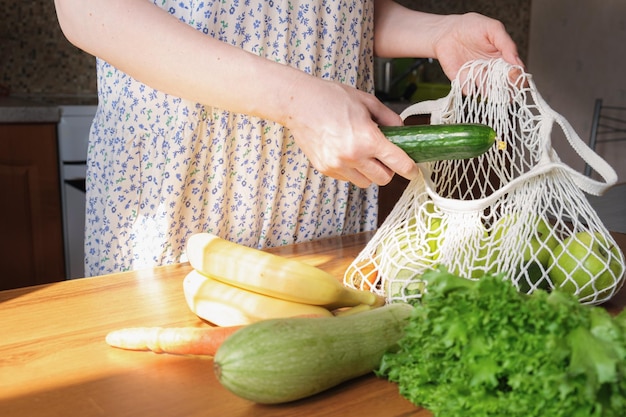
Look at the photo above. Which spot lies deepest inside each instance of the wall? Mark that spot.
(36, 59)
(577, 54)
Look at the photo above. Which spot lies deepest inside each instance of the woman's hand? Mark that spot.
(451, 39)
(336, 126)
(472, 36)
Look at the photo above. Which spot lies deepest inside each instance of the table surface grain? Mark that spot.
(54, 360)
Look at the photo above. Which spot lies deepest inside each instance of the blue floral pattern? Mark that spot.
(161, 168)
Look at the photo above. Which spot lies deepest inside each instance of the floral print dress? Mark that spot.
(161, 168)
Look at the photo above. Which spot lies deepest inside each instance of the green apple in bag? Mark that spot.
(536, 251)
(434, 229)
(591, 263)
(542, 240)
(405, 251)
(473, 253)
(532, 277)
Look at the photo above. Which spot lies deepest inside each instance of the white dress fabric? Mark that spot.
(161, 168)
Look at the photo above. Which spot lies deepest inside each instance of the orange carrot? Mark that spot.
(176, 340)
(366, 272)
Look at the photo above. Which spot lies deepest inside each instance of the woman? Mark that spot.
(253, 120)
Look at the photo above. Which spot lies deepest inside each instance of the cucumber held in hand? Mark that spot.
(426, 143)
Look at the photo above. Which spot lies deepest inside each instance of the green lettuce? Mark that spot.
(481, 348)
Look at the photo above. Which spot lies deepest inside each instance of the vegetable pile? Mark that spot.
(481, 348)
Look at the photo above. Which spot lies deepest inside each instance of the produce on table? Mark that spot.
(174, 340)
(233, 286)
(189, 340)
(416, 245)
(365, 274)
(477, 254)
(586, 264)
(482, 349)
(227, 305)
(425, 143)
(272, 275)
(282, 360)
(404, 254)
(411, 247)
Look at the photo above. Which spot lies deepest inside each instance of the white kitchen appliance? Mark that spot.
(73, 135)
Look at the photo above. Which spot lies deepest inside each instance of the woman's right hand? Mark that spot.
(336, 126)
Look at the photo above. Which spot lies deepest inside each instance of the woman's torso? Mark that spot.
(162, 168)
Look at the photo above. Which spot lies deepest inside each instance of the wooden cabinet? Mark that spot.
(31, 228)
(388, 196)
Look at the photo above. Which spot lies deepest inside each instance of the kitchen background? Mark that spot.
(36, 59)
(574, 53)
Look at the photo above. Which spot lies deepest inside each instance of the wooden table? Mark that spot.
(54, 360)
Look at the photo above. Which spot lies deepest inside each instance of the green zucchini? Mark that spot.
(425, 143)
(281, 360)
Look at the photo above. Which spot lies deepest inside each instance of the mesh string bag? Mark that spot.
(517, 210)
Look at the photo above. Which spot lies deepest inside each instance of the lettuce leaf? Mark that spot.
(482, 349)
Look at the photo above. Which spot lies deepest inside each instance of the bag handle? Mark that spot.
(595, 161)
(588, 155)
(432, 107)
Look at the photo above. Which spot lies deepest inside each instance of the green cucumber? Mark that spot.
(425, 143)
(281, 360)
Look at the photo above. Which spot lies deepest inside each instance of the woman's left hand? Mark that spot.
(451, 39)
(473, 36)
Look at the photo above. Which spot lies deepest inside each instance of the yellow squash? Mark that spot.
(272, 275)
(226, 305)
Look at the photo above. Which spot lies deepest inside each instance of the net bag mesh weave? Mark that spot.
(516, 210)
